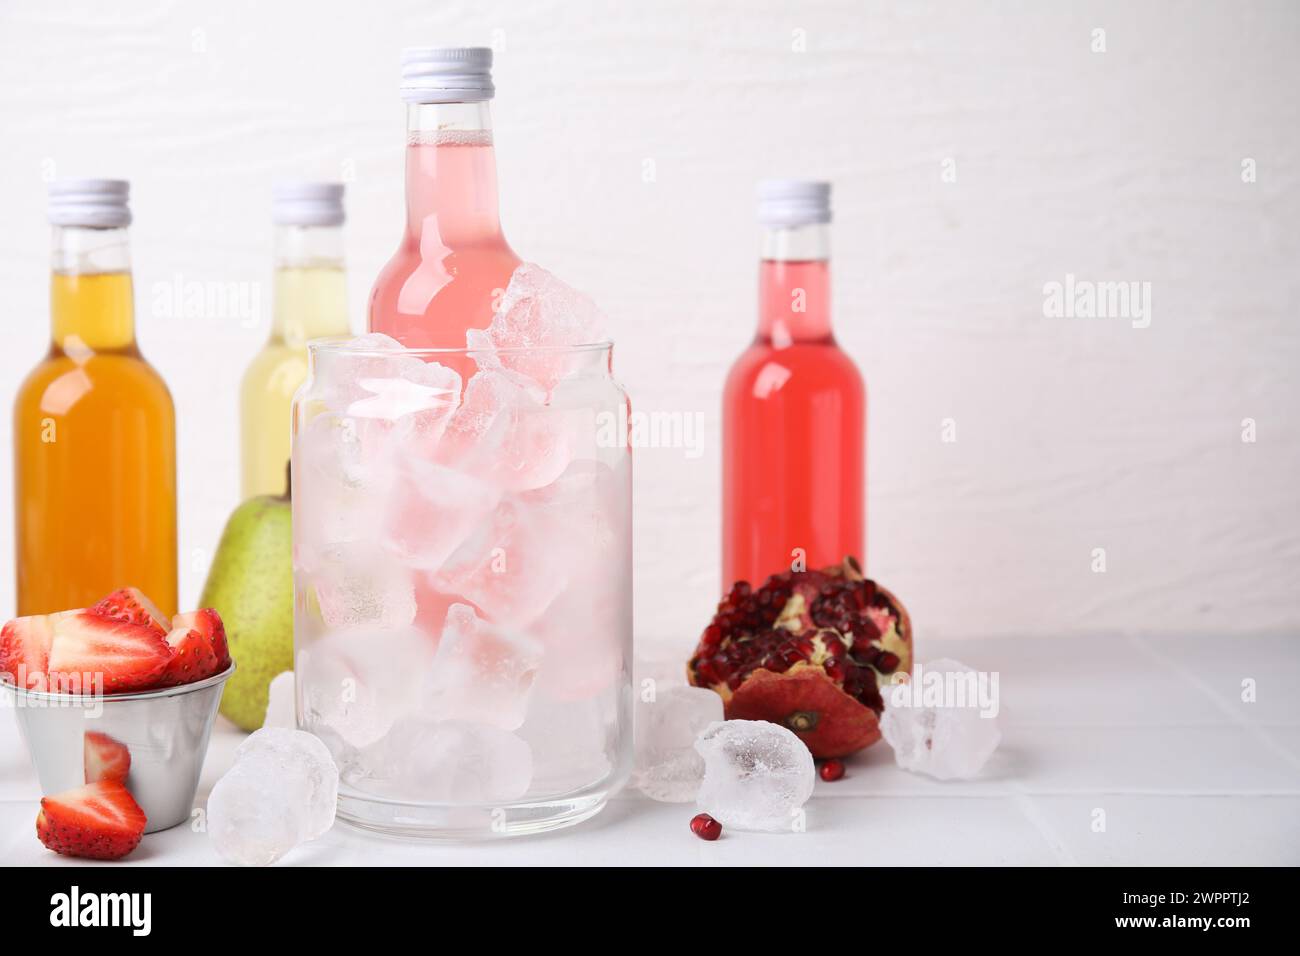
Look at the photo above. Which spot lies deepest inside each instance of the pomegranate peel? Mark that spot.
(805, 701)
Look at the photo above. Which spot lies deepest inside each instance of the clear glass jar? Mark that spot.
(463, 592)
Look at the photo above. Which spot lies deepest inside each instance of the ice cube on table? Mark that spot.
(357, 683)
(450, 761)
(537, 311)
(508, 566)
(945, 742)
(280, 705)
(503, 432)
(296, 753)
(281, 791)
(481, 673)
(668, 767)
(756, 775)
(432, 510)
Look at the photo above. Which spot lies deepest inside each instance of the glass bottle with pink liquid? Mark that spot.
(453, 260)
(794, 407)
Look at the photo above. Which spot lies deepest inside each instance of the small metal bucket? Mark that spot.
(165, 731)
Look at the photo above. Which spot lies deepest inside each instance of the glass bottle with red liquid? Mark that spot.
(794, 408)
(453, 261)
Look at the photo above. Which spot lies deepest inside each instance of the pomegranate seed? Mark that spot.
(887, 662)
(831, 770)
(705, 827)
(834, 669)
(866, 657)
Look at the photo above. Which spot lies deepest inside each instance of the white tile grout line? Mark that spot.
(1011, 792)
(1234, 715)
(1029, 810)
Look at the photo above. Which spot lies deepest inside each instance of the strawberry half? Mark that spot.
(129, 657)
(192, 657)
(105, 758)
(130, 605)
(100, 821)
(25, 650)
(208, 623)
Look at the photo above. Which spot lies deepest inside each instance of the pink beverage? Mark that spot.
(453, 261)
(794, 408)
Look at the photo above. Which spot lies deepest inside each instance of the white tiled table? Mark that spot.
(1151, 731)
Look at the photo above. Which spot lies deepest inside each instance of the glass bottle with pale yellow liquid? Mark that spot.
(310, 301)
(94, 426)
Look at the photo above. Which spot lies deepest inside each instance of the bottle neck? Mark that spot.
(310, 294)
(794, 286)
(451, 177)
(91, 299)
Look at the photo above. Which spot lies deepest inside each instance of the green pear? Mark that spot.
(250, 584)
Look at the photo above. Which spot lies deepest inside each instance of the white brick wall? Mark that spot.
(1072, 434)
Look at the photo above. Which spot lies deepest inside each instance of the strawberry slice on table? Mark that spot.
(131, 605)
(100, 821)
(25, 650)
(128, 657)
(105, 758)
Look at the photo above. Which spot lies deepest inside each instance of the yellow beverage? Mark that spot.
(310, 302)
(94, 438)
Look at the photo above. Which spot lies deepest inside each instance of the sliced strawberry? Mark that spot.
(25, 650)
(130, 605)
(192, 656)
(127, 656)
(105, 758)
(208, 623)
(100, 821)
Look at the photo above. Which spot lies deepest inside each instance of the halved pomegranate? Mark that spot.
(808, 650)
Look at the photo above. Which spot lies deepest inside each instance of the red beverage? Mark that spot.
(453, 262)
(794, 408)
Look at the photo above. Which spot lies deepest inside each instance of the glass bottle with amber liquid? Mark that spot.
(94, 426)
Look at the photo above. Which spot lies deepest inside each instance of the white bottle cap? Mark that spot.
(793, 202)
(89, 203)
(447, 74)
(303, 203)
